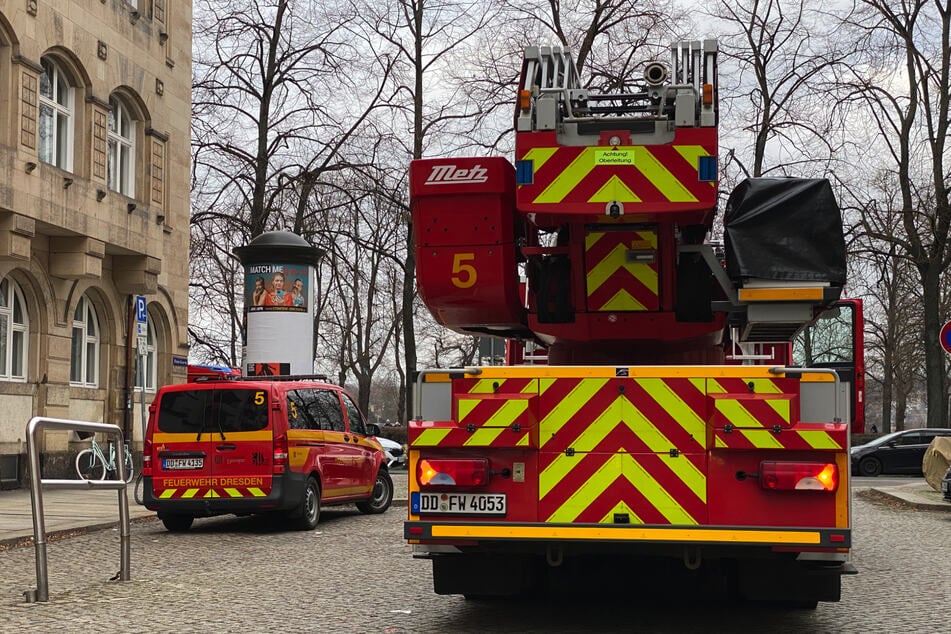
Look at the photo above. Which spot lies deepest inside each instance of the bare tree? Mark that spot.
(893, 316)
(903, 85)
(780, 58)
(269, 127)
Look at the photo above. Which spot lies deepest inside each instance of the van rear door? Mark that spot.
(181, 444)
(242, 441)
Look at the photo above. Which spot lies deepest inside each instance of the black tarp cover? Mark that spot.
(784, 229)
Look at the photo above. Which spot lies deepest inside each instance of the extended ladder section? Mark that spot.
(551, 95)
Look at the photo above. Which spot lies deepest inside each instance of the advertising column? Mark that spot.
(279, 283)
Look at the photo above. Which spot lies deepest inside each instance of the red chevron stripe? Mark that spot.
(664, 420)
(621, 489)
(620, 280)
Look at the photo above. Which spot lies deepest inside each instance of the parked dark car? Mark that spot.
(946, 485)
(899, 452)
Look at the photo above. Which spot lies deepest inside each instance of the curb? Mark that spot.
(26, 541)
(879, 495)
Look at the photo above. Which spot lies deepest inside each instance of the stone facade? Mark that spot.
(95, 102)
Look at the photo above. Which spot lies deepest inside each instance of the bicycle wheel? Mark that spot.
(129, 467)
(89, 466)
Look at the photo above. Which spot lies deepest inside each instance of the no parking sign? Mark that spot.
(945, 337)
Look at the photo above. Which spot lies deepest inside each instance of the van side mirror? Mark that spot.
(373, 429)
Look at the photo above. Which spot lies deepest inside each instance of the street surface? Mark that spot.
(356, 574)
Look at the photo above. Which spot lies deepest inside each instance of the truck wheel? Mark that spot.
(382, 494)
(177, 523)
(870, 467)
(307, 514)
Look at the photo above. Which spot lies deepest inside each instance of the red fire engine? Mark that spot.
(672, 410)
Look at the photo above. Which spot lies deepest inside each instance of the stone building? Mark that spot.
(95, 101)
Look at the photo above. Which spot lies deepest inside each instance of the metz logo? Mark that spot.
(449, 174)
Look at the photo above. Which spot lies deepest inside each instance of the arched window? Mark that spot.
(121, 148)
(84, 363)
(56, 117)
(14, 332)
(146, 364)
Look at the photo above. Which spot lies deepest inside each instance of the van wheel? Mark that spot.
(177, 523)
(382, 494)
(307, 514)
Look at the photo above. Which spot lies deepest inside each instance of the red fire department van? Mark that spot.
(247, 445)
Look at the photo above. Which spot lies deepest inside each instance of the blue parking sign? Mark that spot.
(141, 313)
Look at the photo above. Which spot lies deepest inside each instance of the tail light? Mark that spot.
(460, 473)
(147, 458)
(280, 454)
(799, 476)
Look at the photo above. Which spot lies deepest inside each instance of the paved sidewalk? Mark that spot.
(81, 511)
(71, 511)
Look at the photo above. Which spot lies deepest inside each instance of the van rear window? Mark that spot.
(217, 410)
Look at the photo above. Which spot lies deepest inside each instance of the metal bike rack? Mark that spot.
(37, 423)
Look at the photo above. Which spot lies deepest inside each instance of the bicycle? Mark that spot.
(92, 464)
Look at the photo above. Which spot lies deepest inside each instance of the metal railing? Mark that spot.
(37, 423)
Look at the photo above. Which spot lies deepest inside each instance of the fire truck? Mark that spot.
(672, 411)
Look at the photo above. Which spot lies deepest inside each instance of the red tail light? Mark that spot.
(799, 476)
(459, 473)
(280, 454)
(147, 458)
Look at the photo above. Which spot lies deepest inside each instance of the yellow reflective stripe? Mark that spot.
(624, 509)
(660, 177)
(579, 396)
(168, 437)
(256, 492)
(691, 154)
(554, 473)
(523, 441)
(569, 178)
(621, 301)
(505, 414)
(684, 469)
(653, 491)
(539, 156)
(430, 437)
(699, 373)
(465, 406)
(626, 533)
(818, 439)
(734, 412)
(781, 407)
(167, 493)
(764, 386)
(584, 495)
(483, 437)
(235, 493)
(484, 387)
(673, 404)
(615, 260)
(760, 438)
(614, 189)
(211, 494)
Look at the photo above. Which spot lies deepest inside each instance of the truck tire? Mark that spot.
(382, 495)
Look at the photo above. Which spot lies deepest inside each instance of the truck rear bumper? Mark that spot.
(785, 538)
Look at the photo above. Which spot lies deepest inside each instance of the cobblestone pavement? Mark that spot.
(355, 573)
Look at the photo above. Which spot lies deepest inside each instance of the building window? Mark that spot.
(14, 332)
(121, 149)
(56, 117)
(145, 375)
(84, 364)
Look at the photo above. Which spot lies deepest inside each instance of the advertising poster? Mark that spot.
(277, 288)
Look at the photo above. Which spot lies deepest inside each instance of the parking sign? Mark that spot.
(141, 315)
